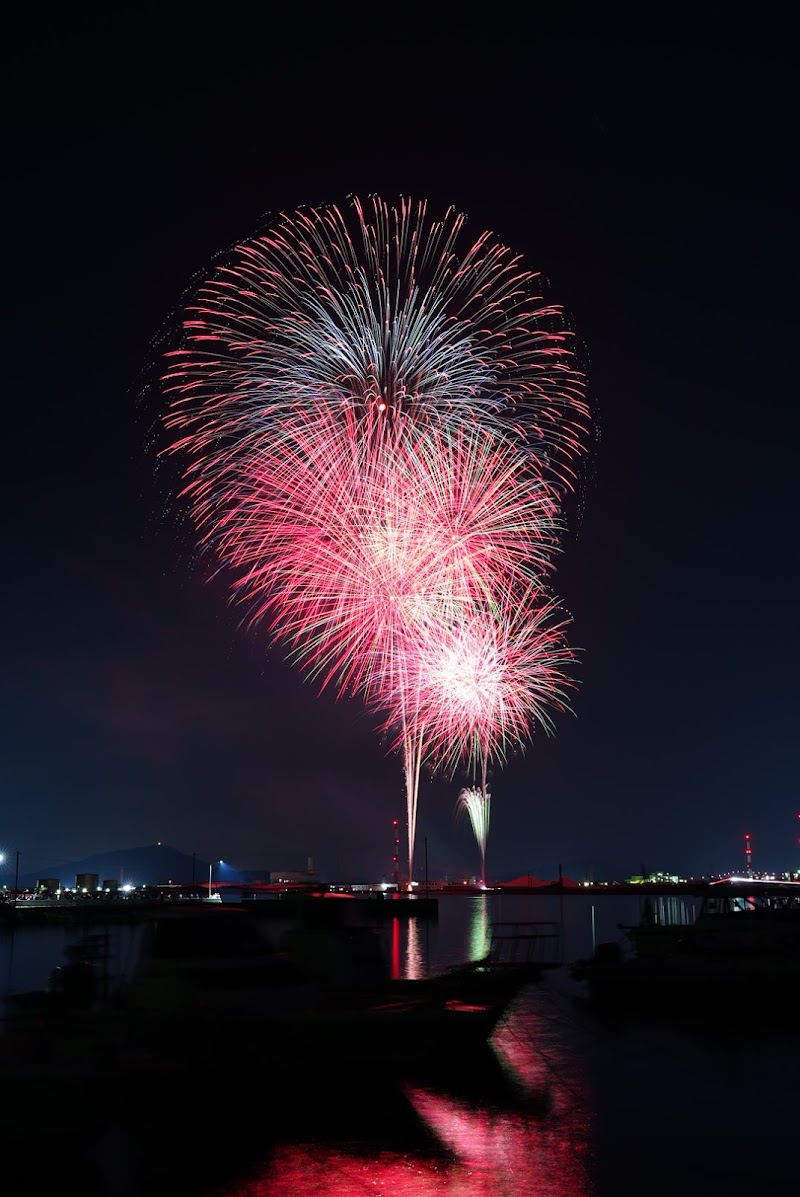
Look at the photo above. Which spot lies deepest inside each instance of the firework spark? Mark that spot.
(476, 803)
(338, 548)
(378, 416)
(382, 309)
(343, 551)
(481, 686)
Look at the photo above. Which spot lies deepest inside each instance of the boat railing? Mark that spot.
(519, 943)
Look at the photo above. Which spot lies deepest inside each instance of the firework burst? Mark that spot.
(347, 554)
(482, 685)
(339, 549)
(378, 416)
(382, 309)
(475, 690)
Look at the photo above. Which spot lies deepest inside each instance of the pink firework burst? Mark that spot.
(479, 687)
(348, 549)
(342, 545)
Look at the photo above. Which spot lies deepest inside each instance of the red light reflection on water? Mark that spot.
(395, 953)
(534, 1145)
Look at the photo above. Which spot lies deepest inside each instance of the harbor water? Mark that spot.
(562, 1104)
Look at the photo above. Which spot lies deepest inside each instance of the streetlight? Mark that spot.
(210, 868)
(16, 871)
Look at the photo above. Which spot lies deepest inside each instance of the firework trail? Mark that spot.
(378, 416)
(476, 803)
(476, 690)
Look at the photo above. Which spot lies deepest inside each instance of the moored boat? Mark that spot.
(737, 917)
(206, 989)
(737, 964)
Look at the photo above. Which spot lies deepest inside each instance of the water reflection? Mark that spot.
(513, 1121)
(414, 966)
(558, 1105)
(672, 911)
(478, 928)
(395, 950)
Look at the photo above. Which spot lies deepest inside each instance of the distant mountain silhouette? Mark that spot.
(154, 864)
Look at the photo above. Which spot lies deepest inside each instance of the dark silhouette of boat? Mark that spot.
(207, 993)
(740, 956)
(737, 918)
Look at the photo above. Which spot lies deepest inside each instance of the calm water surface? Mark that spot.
(560, 1104)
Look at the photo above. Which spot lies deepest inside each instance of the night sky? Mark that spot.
(655, 188)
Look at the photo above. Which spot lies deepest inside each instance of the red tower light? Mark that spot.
(396, 856)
